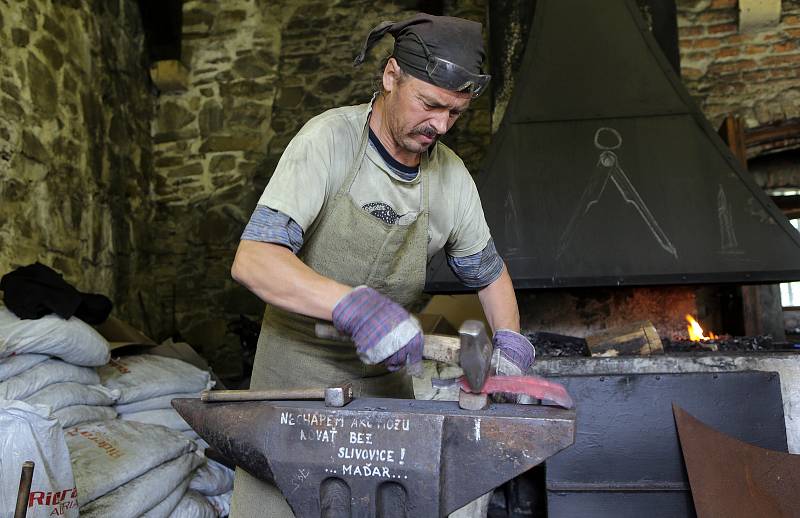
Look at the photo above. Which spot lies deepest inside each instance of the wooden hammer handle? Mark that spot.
(442, 348)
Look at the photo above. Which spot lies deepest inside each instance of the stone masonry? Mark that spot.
(75, 148)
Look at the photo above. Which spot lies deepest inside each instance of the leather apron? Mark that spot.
(352, 247)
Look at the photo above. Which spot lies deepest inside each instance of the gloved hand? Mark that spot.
(514, 354)
(381, 329)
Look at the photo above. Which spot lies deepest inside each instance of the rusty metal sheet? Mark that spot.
(626, 461)
(734, 479)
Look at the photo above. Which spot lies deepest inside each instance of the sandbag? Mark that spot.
(222, 503)
(154, 403)
(166, 417)
(194, 505)
(107, 454)
(27, 432)
(77, 414)
(165, 507)
(46, 373)
(146, 376)
(60, 395)
(212, 479)
(14, 365)
(145, 491)
(72, 340)
(191, 434)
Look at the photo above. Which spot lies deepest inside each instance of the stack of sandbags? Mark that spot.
(49, 361)
(128, 469)
(147, 383)
(29, 433)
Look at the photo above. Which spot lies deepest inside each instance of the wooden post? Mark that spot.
(732, 132)
(761, 305)
(763, 311)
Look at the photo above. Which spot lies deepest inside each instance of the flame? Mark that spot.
(696, 331)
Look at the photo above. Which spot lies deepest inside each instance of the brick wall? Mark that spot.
(754, 75)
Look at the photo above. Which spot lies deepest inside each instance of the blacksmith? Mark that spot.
(361, 199)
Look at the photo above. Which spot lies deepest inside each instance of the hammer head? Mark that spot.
(475, 355)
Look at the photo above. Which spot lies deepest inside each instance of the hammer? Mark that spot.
(335, 396)
(472, 350)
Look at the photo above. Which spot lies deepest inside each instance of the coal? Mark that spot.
(551, 345)
(763, 343)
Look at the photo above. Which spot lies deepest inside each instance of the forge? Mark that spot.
(613, 200)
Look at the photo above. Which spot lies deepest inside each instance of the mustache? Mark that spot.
(427, 131)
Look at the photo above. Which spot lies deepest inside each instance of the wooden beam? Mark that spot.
(732, 132)
(785, 134)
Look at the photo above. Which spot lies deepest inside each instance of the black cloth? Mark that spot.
(36, 290)
(454, 39)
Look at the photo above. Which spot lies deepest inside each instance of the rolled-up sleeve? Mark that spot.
(271, 226)
(477, 270)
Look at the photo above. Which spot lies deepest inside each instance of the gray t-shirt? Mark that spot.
(315, 164)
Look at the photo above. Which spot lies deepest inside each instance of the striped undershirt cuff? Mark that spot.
(272, 226)
(478, 270)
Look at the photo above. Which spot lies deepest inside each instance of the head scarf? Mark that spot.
(454, 39)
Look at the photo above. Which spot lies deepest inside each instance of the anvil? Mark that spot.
(380, 456)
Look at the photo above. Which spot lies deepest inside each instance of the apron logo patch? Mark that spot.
(382, 211)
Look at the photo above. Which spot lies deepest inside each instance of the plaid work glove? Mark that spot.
(514, 354)
(381, 329)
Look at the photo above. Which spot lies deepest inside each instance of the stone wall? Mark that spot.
(75, 147)
(754, 75)
(207, 142)
(258, 71)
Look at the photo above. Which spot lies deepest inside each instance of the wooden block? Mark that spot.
(637, 338)
(169, 75)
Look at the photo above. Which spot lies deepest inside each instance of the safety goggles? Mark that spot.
(456, 78)
(451, 76)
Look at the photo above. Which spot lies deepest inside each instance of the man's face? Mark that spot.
(417, 113)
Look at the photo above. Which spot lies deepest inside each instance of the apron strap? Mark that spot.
(358, 158)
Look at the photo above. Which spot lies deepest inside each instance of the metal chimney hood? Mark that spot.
(604, 172)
